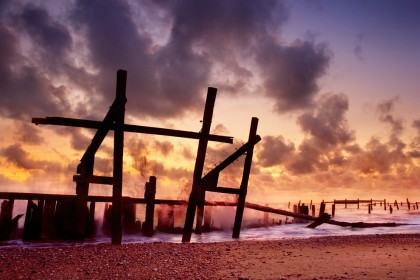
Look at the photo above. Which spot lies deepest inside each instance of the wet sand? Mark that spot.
(348, 257)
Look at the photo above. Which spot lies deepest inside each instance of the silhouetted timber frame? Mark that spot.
(114, 120)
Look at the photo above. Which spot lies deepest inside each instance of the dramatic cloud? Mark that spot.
(16, 155)
(63, 61)
(328, 126)
(291, 73)
(385, 110)
(327, 135)
(274, 151)
(415, 144)
(328, 140)
(28, 134)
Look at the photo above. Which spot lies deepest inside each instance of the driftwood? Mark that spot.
(320, 220)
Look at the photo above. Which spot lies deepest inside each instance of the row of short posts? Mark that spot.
(371, 204)
(44, 219)
(55, 219)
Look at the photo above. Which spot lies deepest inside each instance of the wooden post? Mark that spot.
(396, 204)
(6, 219)
(313, 210)
(27, 226)
(385, 204)
(118, 158)
(85, 169)
(48, 229)
(33, 221)
(38, 217)
(199, 164)
(358, 203)
(390, 209)
(369, 208)
(345, 203)
(288, 205)
(408, 204)
(200, 211)
(322, 209)
(149, 195)
(333, 210)
(244, 183)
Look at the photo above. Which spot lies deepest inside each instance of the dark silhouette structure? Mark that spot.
(114, 120)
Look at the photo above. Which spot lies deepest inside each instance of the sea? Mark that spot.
(276, 229)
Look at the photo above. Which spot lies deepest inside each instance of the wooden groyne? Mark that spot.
(50, 216)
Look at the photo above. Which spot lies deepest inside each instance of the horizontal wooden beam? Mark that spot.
(230, 159)
(95, 198)
(130, 128)
(224, 190)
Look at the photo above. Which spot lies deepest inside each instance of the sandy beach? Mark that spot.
(344, 257)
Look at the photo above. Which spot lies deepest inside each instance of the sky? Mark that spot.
(334, 85)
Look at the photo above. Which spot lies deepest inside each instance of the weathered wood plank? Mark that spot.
(130, 128)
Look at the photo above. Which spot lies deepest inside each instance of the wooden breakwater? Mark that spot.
(51, 216)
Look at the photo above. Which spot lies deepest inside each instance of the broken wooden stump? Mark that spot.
(322, 208)
(33, 221)
(8, 226)
(149, 196)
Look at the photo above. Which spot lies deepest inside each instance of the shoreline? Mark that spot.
(387, 256)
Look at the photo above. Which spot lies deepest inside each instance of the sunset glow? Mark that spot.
(333, 83)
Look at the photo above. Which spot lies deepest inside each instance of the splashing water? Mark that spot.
(410, 219)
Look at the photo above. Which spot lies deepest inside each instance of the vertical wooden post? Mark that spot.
(396, 204)
(333, 210)
(6, 219)
(199, 164)
(408, 204)
(85, 168)
(149, 195)
(33, 221)
(345, 203)
(48, 220)
(313, 210)
(118, 158)
(358, 203)
(322, 209)
(200, 211)
(244, 183)
(38, 217)
(27, 226)
(369, 208)
(385, 204)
